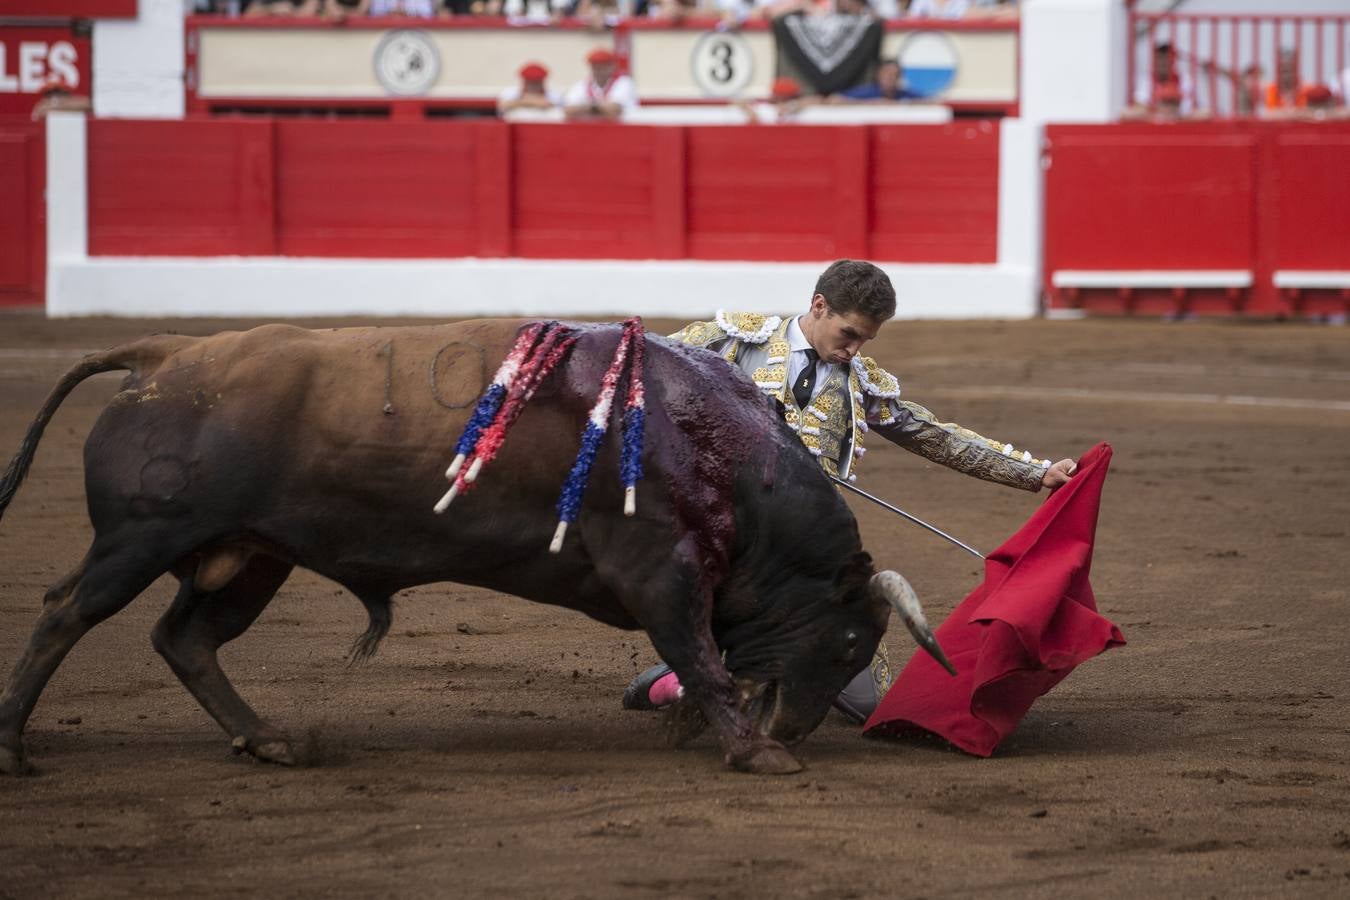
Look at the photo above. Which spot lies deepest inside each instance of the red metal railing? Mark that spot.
(1225, 63)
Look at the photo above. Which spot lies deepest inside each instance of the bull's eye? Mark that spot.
(852, 640)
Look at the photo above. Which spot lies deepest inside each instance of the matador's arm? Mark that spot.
(913, 427)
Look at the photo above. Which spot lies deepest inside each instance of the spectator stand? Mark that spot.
(406, 68)
(1226, 202)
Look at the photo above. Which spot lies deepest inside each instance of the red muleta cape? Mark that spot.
(1019, 633)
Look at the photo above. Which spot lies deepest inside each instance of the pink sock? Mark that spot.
(665, 690)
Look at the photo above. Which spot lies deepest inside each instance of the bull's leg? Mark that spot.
(675, 608)
(197, 624)
(101, 585)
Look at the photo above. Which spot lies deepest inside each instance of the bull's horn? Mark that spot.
(901, 597)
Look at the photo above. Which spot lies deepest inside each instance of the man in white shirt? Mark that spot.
(1165, 75)
(605, 94)
(532, 93)
(832, 397)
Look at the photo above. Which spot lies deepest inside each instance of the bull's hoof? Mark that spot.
(277, 751)
(765, 759)
(12, 762)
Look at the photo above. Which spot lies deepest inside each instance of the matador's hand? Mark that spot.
(1059, 473)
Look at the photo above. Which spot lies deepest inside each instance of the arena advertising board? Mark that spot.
(31, 57)
(68, 9)
(236, 60)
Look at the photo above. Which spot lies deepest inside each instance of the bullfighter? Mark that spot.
(833, 397)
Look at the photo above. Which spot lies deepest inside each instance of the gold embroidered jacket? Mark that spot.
(854, 400)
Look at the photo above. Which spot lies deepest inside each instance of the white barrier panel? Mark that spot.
(687, 115)
(283, 287)
(874, 114)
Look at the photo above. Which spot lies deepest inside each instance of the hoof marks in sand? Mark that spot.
(277, 751)
(12, 762)
(766, 759)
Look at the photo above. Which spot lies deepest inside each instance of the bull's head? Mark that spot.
(789, 682)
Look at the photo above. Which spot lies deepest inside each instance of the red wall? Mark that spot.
(23, 224)
(483, 188)
(1257, 196)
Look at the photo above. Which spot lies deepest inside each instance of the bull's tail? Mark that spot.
(379, 609)
(134, 357)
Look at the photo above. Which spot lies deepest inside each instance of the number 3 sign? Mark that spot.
(722, 64)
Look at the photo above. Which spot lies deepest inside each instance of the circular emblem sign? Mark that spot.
(722, 64)
(928, 63)
(406, 62)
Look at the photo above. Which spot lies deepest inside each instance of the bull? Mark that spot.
(229, 460)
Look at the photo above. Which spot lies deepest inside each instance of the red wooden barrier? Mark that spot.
(593, 191)
(1311, 211)
(396, 190)
(170, 188)
(23, 235)
(935, 193)
(1136, 200)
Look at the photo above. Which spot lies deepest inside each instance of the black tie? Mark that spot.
(806, 382)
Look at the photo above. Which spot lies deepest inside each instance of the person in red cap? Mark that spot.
(1320, 103)
(784, 102)
(532, 92)
(605, 94)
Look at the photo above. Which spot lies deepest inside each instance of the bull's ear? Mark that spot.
(855, 572)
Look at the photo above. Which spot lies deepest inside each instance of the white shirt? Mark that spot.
(936, 9)
(514, 93)
(622, 90)
(420, 8)
(1143, 88)
(796, 361)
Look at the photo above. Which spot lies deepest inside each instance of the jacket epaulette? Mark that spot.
(874, 379)
(750, 328)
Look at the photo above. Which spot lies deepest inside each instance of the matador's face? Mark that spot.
(837, 337)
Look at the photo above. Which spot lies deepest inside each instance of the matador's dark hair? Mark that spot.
(854, 286)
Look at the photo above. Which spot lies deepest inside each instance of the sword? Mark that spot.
(900, 512)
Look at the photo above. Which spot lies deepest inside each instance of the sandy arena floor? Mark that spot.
(483, 751)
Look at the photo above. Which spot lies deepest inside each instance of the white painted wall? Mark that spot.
(287, 286)
(138, 64)
(1073, 60)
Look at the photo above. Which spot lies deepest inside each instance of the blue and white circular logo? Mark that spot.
(928, 63)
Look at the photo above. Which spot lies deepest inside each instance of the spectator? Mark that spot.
(1166, 75)
(417, 9)
(734, 12)
(938, 9)
(56, 95)
(280, 7)
(785, 101)
(1321, 103)
(1249, 91)
(531, 93)
(605, 94)
(886, 85)
(1286, 92)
